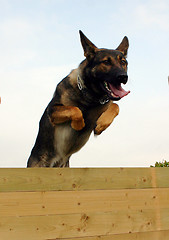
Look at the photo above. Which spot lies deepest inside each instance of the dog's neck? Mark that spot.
(86, 92)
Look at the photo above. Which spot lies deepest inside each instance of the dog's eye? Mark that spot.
(124, 62)
(106, 62)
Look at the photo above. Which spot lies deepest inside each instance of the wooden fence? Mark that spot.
(84, 204)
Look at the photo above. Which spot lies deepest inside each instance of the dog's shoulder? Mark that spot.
(66, 91)
(69, 82)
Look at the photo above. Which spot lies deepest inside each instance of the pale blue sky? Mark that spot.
(39, 45)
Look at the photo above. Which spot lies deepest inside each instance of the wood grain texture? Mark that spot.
(72, 202)
(45, 179)
(84, 204)
(82, 225)
(155, 235)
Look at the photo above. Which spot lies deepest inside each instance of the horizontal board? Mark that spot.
(45, 179)
(155, 235)
(69, 202)
(82, 225)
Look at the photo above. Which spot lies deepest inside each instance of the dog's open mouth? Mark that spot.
(114, 92)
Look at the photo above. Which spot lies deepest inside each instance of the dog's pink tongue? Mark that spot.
(118, 91)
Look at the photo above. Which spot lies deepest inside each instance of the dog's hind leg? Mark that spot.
(106, 118)
(35, 162)
(66, 164)
(62, 163)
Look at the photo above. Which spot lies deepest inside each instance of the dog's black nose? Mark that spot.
(122, 78)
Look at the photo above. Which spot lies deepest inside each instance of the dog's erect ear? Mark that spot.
(123, 47)
(88, 47)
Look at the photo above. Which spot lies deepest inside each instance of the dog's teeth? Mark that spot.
(106, 86)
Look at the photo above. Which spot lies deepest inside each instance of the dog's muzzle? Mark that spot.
(114, 89)
(122, 78)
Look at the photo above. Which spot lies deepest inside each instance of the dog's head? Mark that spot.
(105, 70)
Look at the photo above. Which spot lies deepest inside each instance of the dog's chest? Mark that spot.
(68, 141)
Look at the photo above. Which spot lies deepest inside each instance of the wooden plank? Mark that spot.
(161, 176)
(44, 179)
(69, 202)
(155, 235)
(82, 225)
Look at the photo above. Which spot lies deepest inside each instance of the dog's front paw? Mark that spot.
(100, 127)
(78, 124)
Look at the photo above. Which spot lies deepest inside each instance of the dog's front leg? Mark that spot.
(106, 118)
(63, 114)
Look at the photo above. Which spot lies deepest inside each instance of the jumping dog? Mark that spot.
(82, 103)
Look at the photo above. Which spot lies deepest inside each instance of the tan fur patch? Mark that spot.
(106, 118)
(73, 77)
(68, 113)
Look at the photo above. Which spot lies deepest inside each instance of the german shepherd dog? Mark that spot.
(82, 103)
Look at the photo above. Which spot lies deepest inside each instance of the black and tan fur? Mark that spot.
(82, 103)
